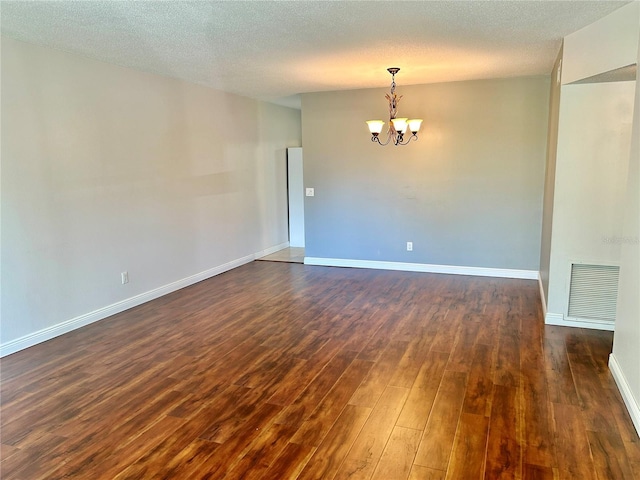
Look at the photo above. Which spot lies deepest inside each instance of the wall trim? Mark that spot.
(53, 331)
(625, 390)
(560, 320)
(542, 297)
(423, 267)
(270, 250)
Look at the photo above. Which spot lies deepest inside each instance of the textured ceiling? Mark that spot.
(273, 50)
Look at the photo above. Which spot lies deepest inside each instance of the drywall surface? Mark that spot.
(594, 137)
(107, 169)
(550, 175)
(608, 44)
(626, 341)
(467, 193)
(626, 344)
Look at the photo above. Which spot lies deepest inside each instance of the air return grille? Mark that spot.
(593, 292)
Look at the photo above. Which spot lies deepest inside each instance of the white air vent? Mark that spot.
(593, 291)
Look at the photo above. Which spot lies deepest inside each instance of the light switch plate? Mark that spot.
(310, 192)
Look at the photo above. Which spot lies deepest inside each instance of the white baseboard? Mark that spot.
(423, 267)
(542, 297)
(269, 251)
(104, 312)
(560, 320)
(625, 390)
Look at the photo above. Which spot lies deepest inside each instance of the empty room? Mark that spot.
(320, 240)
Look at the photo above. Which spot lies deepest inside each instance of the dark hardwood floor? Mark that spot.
(278, 371)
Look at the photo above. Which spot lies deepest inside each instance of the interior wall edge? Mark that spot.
(543, 299)
(633, 406)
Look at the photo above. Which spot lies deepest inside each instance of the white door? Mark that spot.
(296, 197)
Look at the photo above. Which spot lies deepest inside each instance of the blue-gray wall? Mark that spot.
(468, 193)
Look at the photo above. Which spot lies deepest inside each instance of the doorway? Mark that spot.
(295, 199)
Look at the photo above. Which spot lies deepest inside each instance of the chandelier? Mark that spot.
(398, 126)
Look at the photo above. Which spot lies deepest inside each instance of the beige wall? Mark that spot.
(591, 175)
(550, 177)
(468, 193)
(605, 45)
(107, 169)
(626, 342)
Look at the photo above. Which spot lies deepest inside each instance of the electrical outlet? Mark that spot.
(124, 276)
(409, 246)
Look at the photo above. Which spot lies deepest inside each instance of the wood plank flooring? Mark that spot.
(284, 371)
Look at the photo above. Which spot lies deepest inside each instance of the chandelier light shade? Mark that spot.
(397, 126)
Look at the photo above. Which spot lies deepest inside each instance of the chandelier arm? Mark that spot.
(412, 137)
(377, 139)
